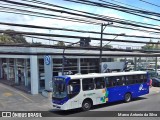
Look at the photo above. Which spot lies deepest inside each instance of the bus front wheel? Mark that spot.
(86, 105)
(127, 97)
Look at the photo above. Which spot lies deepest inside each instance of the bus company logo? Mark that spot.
(47, 60)
(6, 114)
(141, 87)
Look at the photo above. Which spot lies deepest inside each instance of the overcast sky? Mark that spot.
(24, 19)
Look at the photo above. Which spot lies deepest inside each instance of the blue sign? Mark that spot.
(105, 66)
(47, 59)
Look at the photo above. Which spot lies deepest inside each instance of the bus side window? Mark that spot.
(110, 82)
(139, 79)
(144, 78)
(130, 80)
(121, 81)
(107, 82)
(76, 87)
(88, 84)
(99, 83)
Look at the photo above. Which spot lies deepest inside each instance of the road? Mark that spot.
(12, 99)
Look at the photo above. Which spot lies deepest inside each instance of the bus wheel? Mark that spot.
(86, 105)
(127, 97)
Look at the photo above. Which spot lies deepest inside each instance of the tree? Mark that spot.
(107, 46)
(60, 43)
(10, 37)
(150, 46)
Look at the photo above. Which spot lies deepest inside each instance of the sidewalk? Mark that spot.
(12, 99)
(12, 83)
(154, 90)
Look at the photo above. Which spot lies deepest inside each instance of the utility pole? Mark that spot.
(100, 58)
(103, 26)
(63, 59)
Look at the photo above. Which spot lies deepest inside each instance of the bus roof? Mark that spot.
(95, 75)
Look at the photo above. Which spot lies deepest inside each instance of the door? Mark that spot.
(111, 88)
(88, 89)
(100, 90)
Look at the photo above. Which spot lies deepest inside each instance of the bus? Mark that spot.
(84, 91)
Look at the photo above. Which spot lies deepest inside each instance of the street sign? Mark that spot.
(47, 59)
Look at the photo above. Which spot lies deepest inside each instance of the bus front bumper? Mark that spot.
(60, 107)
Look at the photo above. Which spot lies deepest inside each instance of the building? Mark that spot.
(34, 66)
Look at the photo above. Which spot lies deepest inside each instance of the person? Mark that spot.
(150, 83)
(19, 77)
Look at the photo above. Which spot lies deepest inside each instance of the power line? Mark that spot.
(51, 15)
(142, 30)
(128, 5)
(49, 4)
(72, 36)
(82, 15)
(71, 30)
(45, 38)
(132, 24)
(75, 14)
(149, 3)
(122, 9)
(116, 26)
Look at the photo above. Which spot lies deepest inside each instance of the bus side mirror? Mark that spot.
(70, 89)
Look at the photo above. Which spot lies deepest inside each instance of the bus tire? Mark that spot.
(127, 97)
(86, 105)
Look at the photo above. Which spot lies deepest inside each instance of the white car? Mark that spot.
(158, 72)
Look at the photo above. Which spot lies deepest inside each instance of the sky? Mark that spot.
(24, 19)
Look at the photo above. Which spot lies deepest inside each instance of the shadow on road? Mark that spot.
(80, 112)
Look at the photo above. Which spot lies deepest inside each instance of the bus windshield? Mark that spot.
(59, 88)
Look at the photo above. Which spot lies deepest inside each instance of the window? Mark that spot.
(130, 79)
(120, 80)
(76, 87)
(140, 79)
(88, 84)
(99, 83)
(110, 82)
(144, 78)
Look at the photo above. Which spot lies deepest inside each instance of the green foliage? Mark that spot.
(60, 43)
(150, 46)
(107, 46)
(10, 37)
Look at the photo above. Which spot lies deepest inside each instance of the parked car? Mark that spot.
(156, 82)
(151, 71)
(158, 71)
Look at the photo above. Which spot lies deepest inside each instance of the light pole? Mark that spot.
(103, 26)
(104, 45)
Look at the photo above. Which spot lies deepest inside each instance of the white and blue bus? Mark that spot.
(84, 91)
